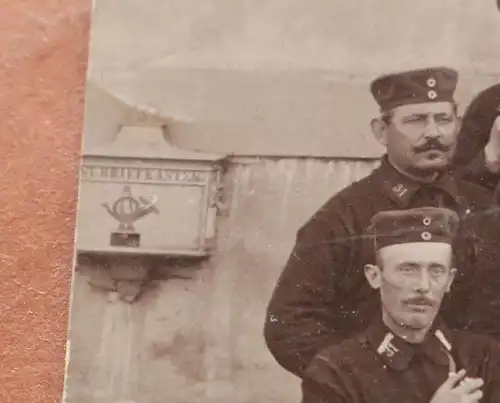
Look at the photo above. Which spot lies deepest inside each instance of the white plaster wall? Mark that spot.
(200, 339)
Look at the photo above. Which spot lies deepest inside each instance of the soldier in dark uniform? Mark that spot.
(321, 296)
(408, 354)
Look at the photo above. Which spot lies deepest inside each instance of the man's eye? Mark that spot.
(436, 271)
(415, 119)
(407, 268)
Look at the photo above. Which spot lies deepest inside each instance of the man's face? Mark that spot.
(413, 279)
(420, 138)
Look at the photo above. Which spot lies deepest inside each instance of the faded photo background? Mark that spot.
(281, 87)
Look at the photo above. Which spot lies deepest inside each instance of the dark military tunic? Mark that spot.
(378, 367)
(322, 295)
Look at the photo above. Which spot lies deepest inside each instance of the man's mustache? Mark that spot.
(419, 301)
(431, 144)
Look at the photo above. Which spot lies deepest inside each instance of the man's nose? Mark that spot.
(423, 284)
(432, 129)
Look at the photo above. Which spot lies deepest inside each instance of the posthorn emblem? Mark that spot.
(127, 209)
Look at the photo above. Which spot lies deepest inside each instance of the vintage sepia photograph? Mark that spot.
(288, 201)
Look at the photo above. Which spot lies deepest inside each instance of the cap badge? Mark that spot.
(426, 236)
(431, 82)
(426, 221)
(432, 94)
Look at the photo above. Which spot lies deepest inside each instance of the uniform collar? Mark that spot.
(397, 353)
(401, 188)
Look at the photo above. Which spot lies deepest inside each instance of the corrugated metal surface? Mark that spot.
(200, 340)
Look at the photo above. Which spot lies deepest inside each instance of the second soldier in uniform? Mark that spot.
(408, 354)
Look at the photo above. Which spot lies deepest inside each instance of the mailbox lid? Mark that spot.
(145, 142)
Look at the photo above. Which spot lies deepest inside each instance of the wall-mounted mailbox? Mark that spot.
(142, 196)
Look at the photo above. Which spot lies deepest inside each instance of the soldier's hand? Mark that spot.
(459, 389)
(492, 149)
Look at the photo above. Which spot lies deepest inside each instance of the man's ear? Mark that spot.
(379, 130)
(453, 272)
(374, 275)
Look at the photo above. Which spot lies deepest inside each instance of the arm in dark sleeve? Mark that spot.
(304, 307)
(474, 135)
(477, 172)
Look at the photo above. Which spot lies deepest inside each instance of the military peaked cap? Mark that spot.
(425, 224)
(433, 84)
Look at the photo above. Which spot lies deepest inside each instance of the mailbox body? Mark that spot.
(161, 204)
